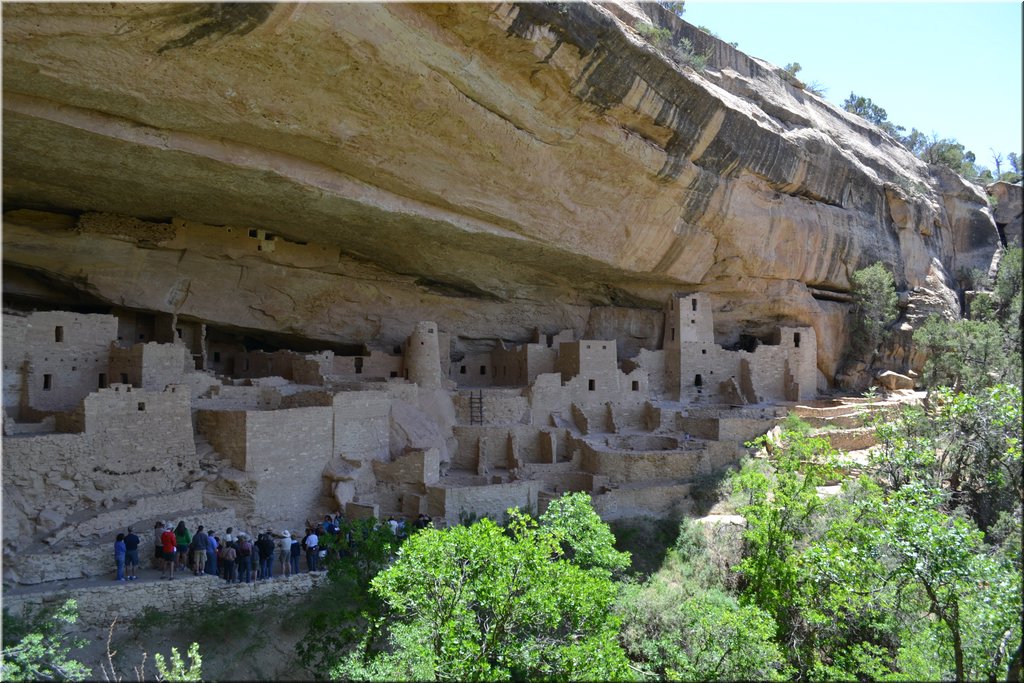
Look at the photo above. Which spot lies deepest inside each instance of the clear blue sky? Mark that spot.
(951, 68)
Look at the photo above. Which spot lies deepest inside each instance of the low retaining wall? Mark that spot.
(99, 606)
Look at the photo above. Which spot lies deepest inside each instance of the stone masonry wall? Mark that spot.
(62, 357)
(135, 443)
(98, 607)
(670, 501)
(225, 430)
(286, 453)
(483, 501)
(361, 424)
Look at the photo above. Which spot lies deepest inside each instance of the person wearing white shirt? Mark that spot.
(312, 541)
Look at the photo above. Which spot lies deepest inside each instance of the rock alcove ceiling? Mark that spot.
(334, 172)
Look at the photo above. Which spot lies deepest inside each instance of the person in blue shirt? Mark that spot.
(211, 553)
(119, 554)
(131, 545)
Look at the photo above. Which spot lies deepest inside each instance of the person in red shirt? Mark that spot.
(168, 541)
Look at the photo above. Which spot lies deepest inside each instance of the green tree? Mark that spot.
(874, 296)
(585, 540)
(36, 648)
(969, 444)
(961, 354)
(682, 624)
(344, 608)
(779, 508)
(940, 558)
(871, 112)
(985, 350)
(482, 602)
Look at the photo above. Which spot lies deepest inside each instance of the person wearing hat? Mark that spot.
(284, 552)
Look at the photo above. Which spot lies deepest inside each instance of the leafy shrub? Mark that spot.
(660, 38)
(874, 295)
(35, 646)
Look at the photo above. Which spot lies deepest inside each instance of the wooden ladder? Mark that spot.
(476, 408)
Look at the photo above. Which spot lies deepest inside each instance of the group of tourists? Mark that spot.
(233, 556)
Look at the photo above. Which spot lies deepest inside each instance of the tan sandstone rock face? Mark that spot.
(338, 171)
(1008, 212)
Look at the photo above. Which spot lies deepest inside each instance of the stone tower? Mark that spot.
(423, 356)
(689, 331)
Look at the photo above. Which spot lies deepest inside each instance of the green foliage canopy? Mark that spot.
(483, 603)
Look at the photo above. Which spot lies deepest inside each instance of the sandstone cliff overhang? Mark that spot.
(493, 167)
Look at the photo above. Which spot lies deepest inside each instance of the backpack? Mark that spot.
(244, 549)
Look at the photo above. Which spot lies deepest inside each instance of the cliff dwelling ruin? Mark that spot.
(121, 418)
(253, 275)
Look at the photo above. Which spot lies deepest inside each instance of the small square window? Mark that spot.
(462, 370)
(591, 384)
(636, 385)
(142, 405)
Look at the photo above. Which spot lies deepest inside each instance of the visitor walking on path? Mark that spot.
(168, 541)
(119, 553)
(131, 545)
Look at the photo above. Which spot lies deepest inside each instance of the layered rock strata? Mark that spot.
(335, 172)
